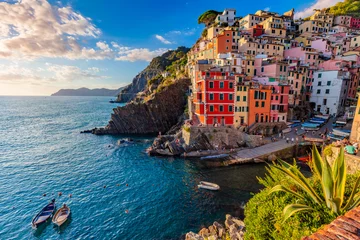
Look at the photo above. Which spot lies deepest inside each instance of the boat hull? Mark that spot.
(209, 186)
(61, 216)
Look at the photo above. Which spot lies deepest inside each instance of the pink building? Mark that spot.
(279, 101)
(322, 45)
(304, 54)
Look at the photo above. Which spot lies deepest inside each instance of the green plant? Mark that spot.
(208, 17)
(328, 150)
(331, 179)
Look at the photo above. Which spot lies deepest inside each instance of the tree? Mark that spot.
(208, 17)
(332, 180)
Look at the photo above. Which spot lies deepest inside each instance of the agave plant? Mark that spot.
(332, 179)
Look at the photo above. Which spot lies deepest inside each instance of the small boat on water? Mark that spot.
(44, 214)
(209, 186)
(61, 215)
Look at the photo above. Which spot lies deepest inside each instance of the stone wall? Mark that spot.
(352, 161)
(220, 136)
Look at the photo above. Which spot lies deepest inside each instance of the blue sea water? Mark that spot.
(43, 152)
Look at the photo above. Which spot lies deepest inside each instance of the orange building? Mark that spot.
(223, 42)
(259, 104)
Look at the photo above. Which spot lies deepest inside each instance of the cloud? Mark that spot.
(142, 54)
(186, 32)
(50, 73)
(267, 9)
(319, 4)
(31, 29)
(162, 39)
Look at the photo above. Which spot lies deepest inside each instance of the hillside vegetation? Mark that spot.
(208, 17)
(348, 7)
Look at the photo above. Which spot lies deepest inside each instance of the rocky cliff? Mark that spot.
(157, 113)
(157, 66)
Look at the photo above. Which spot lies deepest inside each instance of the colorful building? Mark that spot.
(215, 97)
(259, 104)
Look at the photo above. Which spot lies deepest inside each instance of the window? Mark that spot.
(329, 83)
(230, 97)
(238, 98)
(319, 75)
(221, 96)
(221, 108)
(244, 89)
(211, 96)
(244, 98)
(211, 85)
(324, 101)
(230, 108)
(211, 108)
(327, 91)
(262, 104)
(319, 83)
(221, 84)
(281, 67)
(257, 104)
(318, 91)
(231, 85)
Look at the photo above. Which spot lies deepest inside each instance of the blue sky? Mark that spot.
(48, 45)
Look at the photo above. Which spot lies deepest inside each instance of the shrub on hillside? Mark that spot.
(267, 211)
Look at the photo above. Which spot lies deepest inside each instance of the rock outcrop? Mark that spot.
(157, 66)
(234, 230)
(157, 114)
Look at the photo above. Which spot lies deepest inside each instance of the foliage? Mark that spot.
(348, 7)
(332, 181)
(157, 79)
(264, 212)
(208, 17)
(328, 150)
(204, 32)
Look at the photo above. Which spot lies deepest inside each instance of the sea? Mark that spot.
(118, 192)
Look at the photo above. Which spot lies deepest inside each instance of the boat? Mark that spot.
(304, 158)
(335, 137)
(326, 117)
(61, 215)
(340, 132)
(310, 128)
(44, 214)
(209, 186)
(310, 125)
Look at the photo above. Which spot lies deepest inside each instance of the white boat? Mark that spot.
(326, 117)
(61, 215)
(209, 186)
(340, 133)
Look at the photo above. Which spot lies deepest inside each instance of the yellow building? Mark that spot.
(355, 130)
(355, 42)
(315, 26)
(323, 16)
(274, 26)
(241, 103)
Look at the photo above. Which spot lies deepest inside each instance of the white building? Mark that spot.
(228, 16)
(329, 91)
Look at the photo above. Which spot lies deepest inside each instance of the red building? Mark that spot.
(215, 97)
(258, 30)
(355, 23)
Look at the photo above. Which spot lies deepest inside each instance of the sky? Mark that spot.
(47, 45)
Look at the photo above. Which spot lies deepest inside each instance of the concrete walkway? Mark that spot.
(262, 150)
